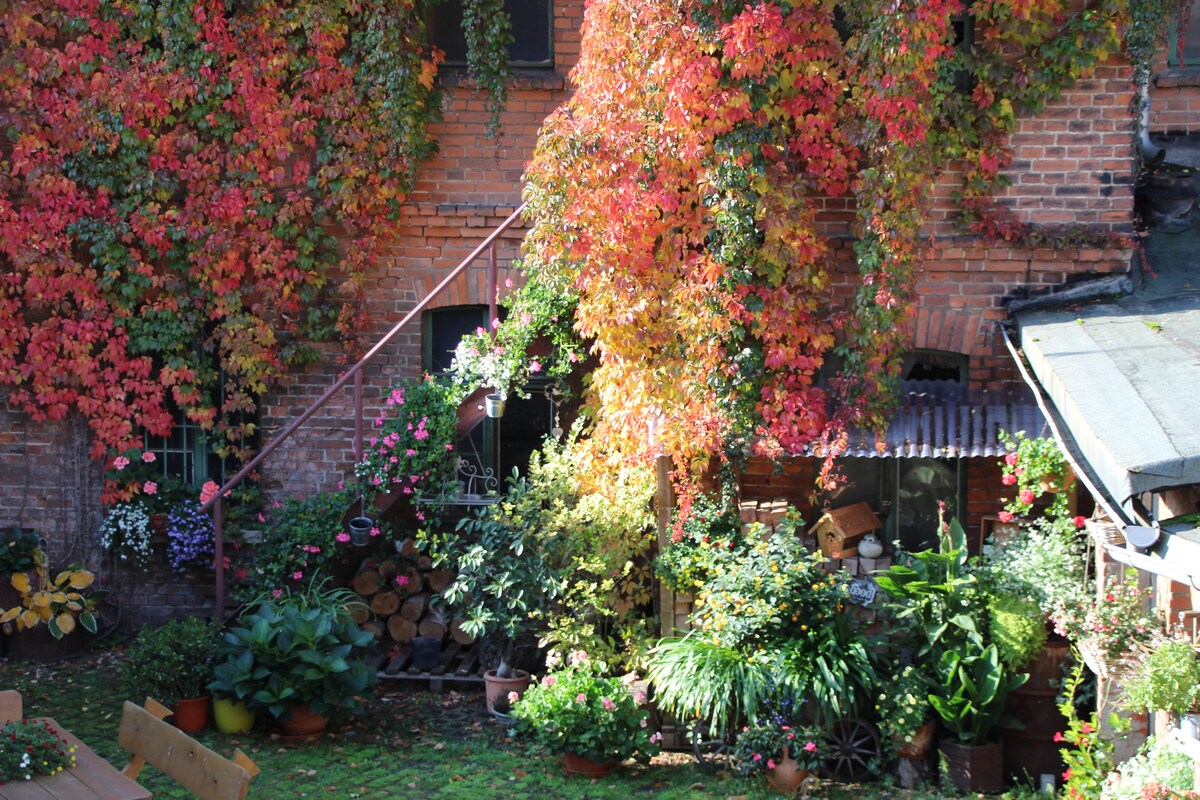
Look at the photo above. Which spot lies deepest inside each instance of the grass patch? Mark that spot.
(406, 744)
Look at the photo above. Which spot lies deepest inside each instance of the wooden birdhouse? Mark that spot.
(839, 530)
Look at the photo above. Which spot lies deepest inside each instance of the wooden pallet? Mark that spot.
(458, 664)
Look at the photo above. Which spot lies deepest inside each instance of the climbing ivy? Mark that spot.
(194, 191)
(677, 199)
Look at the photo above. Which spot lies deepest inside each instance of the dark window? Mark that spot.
(532, 30)
(934, 365)
(444, 329)
(905, 492)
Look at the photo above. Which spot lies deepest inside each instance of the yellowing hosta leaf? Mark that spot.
(44, 614)
(20, 582)
(75, 605)
(81, 579)
(29, 618)
(10, 615)
(59, 597)
(66, 622)
(41, 600)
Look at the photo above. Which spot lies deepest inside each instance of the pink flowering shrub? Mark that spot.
(580, 710)
(411, 449)
(1107, 625)
(1033, 468)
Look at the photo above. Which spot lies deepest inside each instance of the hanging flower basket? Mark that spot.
(1104, 531)
(1094, 658)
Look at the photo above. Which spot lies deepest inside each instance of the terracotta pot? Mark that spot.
(191, 714)
(301, 721)
(231, 716)
(974, 768)
(580, 765)
(498, 688)
(918, 748)
(787, 776)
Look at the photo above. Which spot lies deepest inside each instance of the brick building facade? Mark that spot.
(1072, 166)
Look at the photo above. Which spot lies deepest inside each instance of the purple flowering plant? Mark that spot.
(189, 537)
(411, 449)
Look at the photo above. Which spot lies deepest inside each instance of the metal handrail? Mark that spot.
(355, 373)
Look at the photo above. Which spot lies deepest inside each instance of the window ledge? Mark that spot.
(522, 79)
(1178, 77)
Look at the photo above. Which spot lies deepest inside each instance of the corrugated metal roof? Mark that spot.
(942, 419)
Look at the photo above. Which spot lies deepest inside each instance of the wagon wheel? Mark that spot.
(712, 751)
(853, 746)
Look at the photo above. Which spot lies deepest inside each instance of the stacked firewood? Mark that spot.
(402, 598)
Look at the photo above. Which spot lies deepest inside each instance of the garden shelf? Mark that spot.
(459, 665)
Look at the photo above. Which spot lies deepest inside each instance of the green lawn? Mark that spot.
(407, 744)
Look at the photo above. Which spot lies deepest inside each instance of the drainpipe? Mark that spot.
(1147, 151)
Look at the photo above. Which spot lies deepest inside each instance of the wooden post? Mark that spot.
(664, 503)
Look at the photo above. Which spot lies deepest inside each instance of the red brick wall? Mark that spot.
(1175, 101)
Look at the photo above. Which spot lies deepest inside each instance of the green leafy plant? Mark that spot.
(970, 689)
(411, 449)
(1018, 629)
(303, 539)
(699, 541)
(1163, 675)
(933, 594)
(32, 747)
(1088, 756)
(1042, 562)
(510, 568)
(696, 678)
(902, 704)
(760, 745)
(299, 647)
(60, 603)
(18, 550)
(579, 710)
(172, 662)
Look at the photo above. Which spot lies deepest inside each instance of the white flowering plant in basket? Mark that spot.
(126, 532)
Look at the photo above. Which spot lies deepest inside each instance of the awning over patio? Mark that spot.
(942, 419)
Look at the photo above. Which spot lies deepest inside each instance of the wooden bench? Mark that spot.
(202, 772)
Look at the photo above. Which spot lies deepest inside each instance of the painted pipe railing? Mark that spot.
(353, 374)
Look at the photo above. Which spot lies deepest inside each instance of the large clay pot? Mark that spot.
(301, 721)
(497, 688)
(974, 768)
(786, 776)
(232, 716)
(191, 714)
(580, 765)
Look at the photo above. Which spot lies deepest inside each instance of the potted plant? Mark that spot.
(1164, 675)
(699, 541)
(501, 365)
(298, 655)
(32, 747)
(1108, 625)
(592, 721)
(785, 753)
(970, 688)
(60, 604)
(1032, 468)
(126, 533)
(190, 538)
(411, 450)
(510, 571)
(905, 714)
(173, 663)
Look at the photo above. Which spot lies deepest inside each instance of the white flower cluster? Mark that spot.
(125, 533)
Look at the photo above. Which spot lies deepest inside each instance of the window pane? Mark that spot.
(530, 30)
(445, 329)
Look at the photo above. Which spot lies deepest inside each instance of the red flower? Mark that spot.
(1080, 521)
(1058, 737)
(1009, 479)
(1026, 496)
(1005, 517)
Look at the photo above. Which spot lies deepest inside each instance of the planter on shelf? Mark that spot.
(581, 765)
(498, 688)
(232, 716)
(301, 720)
(787, 775)
(426, 652)
(360, 531)
(494, 405)
(191, 714)
(974, 767)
